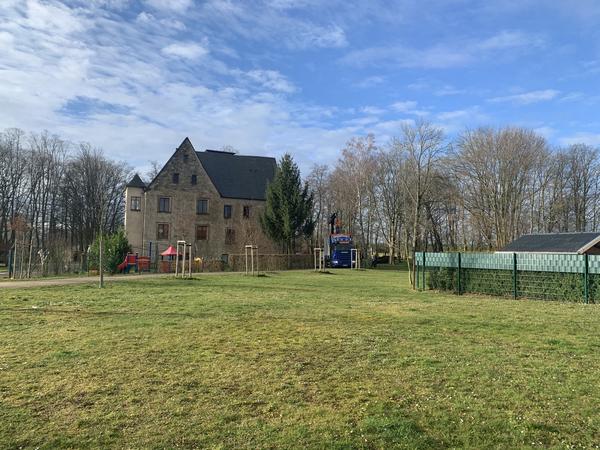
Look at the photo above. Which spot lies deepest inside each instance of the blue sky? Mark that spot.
(275, 76)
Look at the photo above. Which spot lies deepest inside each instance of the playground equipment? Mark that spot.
(172, 254)
(319, 258)
(135, 262)
(252, 251)
(339, 246)
(355, 259)
(185, 247)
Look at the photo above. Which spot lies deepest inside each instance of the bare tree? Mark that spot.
(495, 170)
(352, 188)
(319, 184)
(390, 196)
(422, 145)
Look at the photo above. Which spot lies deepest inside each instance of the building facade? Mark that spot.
(211, 199)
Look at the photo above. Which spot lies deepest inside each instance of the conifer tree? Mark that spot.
(288, 212)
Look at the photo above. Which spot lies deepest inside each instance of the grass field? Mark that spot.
(350, 359)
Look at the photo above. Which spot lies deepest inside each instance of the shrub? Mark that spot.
(115, 246)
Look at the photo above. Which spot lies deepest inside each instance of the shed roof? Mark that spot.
(238, 176)
(553, 243)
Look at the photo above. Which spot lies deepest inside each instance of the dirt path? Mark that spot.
(17, 284)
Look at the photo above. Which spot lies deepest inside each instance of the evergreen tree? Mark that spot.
(288, 212)
(115, 248)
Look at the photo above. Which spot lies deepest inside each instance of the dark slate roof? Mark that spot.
(238, 176)
(553, 243)
(136, 182)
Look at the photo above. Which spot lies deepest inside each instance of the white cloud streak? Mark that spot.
(527, 98)
(444, 55)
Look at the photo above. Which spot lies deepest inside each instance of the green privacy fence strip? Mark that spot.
(594, 263)
(419, 258)
(441, 259)
(541, 262)
(563, 277)
(499, 261)
(534, 262)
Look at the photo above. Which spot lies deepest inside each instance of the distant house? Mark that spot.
(571, 243)
(212, 199)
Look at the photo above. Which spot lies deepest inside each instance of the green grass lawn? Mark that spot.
(350, 359)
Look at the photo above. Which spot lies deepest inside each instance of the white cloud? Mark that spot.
(178, 6)
(272, 80)
(372, 110)
(527, 98)
(87, 75)
(404, 106)
(273, 23)
(572, 97)
(371, 81)
(445, 55)
(333, 36)
(165, 24)
(409, 107)
(545, 131)
(509, 40)
(582, 138)
(185, 50)
(455, 120)
(448, 90)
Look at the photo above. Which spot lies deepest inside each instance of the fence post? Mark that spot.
(416, 274)
(586, 278)
(515, 275)
(424, 266)
(459, 279)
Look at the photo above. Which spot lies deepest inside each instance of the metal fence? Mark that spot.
(565, 277)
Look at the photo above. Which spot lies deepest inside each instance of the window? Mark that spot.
(162, 232)
(136, 203)
(246, 211)
(201, 232)
(229, 236)
(202, 206)
(194, 180)
(175, 178)
(185, 157)
(164, 204)
(227, 211)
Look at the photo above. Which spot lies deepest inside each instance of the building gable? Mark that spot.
(185, 163)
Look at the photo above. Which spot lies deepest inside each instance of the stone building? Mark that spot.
(212, 199)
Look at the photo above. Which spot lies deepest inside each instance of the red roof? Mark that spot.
(169, 251)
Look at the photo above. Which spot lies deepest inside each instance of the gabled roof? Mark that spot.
(238, 176)
(554, 243)
(136, 182)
